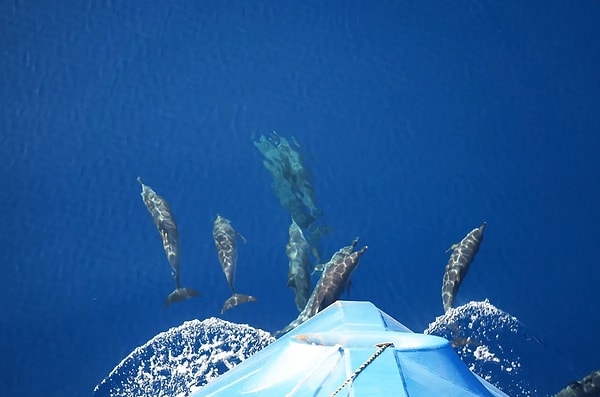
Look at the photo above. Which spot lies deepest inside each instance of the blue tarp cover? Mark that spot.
(316, 359)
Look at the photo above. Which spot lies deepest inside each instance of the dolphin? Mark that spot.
(164, 221)
(225, 241)
(457, 267)
(297, 251)
(337, 256)
(292, 183)
(589, 386)
(334, 279)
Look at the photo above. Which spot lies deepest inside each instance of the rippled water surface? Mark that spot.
(418, 122)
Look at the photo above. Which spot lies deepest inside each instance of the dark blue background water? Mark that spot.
(418, 121)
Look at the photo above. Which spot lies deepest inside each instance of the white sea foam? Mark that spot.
(181, 360)
(489, 341)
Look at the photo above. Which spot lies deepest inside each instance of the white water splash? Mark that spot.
(182, 359)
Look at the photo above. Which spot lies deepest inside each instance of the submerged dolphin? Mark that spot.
(589, 386)
(225, 241)
(297, 251)
(164, 221)
(457, 267)
(334, 279)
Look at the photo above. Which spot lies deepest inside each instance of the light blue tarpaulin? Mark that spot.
(348, 340)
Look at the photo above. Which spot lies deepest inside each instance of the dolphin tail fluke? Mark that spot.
(236, 299)
(181, 294)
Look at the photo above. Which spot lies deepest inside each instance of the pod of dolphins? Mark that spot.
(335, 274)
(225, 240)
(296, 195)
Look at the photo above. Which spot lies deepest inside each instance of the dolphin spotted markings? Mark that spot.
(297, 251)
(458, 265)
(164, 221)
(225, 241)
(337, 256)
(334, 279)
(589, 386)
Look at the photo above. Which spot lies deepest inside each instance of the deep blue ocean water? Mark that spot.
(418, 121)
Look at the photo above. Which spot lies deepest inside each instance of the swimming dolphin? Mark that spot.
(297, 251)
(589, 386)
(225, 241)
(164, 221)
(334, 279)
(337, 256)
(457, 267)
(292, 183)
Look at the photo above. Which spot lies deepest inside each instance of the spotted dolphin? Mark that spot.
(337, 256)
(225, 241)
(164, 221)
(589, 386)
(334, 279)
(457, 267)
(297, 251)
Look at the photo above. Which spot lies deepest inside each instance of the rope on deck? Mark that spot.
(382, 347)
